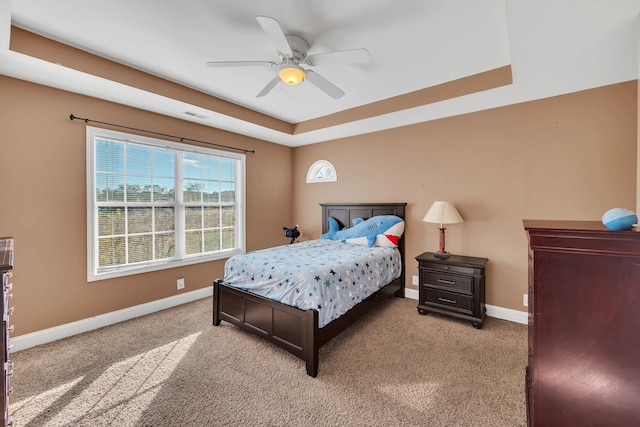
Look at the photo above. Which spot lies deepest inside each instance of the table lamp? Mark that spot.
(442, 213)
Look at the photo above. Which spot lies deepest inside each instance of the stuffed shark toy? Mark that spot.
(368, 231)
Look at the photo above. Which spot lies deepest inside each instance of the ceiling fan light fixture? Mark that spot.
(292, 74)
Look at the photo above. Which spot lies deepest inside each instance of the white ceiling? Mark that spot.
(553, 47)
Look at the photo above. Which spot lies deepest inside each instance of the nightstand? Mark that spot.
(452, 286)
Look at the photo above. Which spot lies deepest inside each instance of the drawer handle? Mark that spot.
(450, 301)
(448, 282)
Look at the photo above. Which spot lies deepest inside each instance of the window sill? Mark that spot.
(147, 268)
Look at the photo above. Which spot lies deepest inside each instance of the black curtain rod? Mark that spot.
(72, 117)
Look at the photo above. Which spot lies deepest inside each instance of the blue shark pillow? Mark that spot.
(381, 230)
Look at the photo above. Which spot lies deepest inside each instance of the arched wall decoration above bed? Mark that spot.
(321, 171)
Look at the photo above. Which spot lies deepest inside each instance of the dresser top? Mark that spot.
(586, 237)
(557, 225)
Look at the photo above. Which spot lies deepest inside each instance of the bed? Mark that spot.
(299, 331)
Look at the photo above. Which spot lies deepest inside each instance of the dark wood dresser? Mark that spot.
(452, 286)
(6, 265)
(584, 325)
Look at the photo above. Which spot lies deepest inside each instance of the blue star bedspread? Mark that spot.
(327, 275)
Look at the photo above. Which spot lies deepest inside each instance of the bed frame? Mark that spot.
(297, 330)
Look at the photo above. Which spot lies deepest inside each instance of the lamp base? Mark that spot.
(442, 255)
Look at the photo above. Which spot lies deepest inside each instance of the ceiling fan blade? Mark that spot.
(224, 64)
(268, 87)
(324, 85)
(339, 57)
(275, 33)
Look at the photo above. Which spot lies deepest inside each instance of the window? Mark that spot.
(154, 204)
(321, 171)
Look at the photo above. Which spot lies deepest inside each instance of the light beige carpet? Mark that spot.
(173, 368)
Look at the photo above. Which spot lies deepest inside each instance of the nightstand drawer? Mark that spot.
(450, 282)
(449, 268)
(448, 299)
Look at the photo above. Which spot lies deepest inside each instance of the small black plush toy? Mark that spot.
(293, 233)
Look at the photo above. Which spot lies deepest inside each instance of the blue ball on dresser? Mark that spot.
(619, 219)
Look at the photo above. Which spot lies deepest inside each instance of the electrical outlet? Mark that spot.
(415, 281)
(180, 283)
(525, 300)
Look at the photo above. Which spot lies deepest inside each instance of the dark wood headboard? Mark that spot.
(344, 213)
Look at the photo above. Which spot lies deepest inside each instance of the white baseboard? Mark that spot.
(411, 293)
(44, 336)
(492, 310)
(23, 342)
(516, 316)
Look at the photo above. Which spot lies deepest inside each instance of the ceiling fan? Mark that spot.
(292, 54)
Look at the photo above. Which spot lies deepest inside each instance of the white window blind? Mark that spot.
(156, 204)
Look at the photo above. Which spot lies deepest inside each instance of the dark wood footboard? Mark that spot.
(288, 327)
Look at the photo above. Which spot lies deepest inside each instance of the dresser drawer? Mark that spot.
(449, 282)
(450, 300)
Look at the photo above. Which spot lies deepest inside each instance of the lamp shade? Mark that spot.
(292, 74)
(442, 212)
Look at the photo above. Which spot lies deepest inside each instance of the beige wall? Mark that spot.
(43, 204)
(567, 157)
